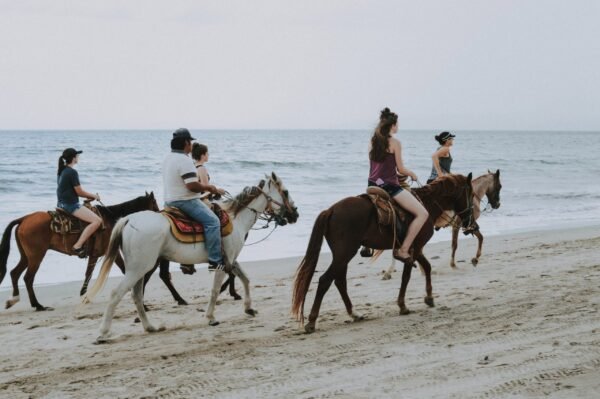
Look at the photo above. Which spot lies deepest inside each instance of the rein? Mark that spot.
(267, 215)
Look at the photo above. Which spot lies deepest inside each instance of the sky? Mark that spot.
(277, 64)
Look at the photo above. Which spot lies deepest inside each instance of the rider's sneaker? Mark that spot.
(213, 266)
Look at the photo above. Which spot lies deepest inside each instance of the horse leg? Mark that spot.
(426, 268)
(341, 284)
(34, 264)
(214, 294)
(324, 283)
(230, 282)
(387, 275)
(479, 236)
(14, 275)
(237, 270)
(454, 246)
(88, 274)
(405, 279)
(131, 278)
(138, 298)
(165, 276)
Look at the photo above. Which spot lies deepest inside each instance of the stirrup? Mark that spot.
(80, 252)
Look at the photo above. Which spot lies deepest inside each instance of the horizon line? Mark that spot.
(287, 129)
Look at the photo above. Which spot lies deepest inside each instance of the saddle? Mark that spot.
(189, 231)
(62, 222)
(385, 206)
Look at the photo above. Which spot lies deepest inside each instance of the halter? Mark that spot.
(469, 209)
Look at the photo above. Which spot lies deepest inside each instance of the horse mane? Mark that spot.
(445, 185)
(114, 212)
(240, 201)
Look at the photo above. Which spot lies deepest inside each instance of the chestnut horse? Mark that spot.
(352, 222)
(34, 238)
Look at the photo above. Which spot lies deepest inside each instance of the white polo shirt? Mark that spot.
(177, 170)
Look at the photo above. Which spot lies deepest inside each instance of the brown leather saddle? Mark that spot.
(189, 231)
(62, 222)
(387, 209)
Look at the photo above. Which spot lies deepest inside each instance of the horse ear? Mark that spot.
(498, 173)
(274, 176)
(470, 177)
(151, 194)
(489, 171)
(261, 184)
(146, 193)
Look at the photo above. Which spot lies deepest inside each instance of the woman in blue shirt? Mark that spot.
(68, 192)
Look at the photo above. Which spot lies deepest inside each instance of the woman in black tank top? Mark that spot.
(442, 160)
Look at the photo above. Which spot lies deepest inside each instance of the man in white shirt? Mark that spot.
(182, 190)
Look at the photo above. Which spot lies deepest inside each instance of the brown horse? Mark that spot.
(352, 222)
(34, 238)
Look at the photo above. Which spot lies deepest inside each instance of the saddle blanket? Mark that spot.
(62, 222)
(189, 231)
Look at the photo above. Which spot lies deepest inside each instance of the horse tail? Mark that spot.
(5, 246)
(116, 239)
(307, 267)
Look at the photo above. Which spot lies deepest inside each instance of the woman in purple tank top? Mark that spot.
(385, 155)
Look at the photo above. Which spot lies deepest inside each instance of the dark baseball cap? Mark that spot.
(70, 153)
(183, 133)
(445, 136)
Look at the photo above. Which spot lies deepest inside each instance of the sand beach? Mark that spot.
(524, 323)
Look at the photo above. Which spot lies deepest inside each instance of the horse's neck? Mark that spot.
(246, 218)
(480, 187)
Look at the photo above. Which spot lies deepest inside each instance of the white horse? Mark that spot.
(145, 236)
(487, 185)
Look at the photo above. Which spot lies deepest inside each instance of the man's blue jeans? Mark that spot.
(197, 210)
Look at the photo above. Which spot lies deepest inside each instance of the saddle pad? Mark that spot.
(62, 222)
(189, 231)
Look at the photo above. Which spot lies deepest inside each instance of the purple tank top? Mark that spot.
(384, 172)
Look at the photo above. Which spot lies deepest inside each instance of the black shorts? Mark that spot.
(391, 189)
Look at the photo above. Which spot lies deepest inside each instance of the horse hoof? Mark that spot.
(213, 323)
(404, 311)
(152, 329)
(453, 265)
(309, 328)
(429, 301)
(251, 312)
(182, 303)
(136, 320)
(386, 276)
(237, 297)
(357, 317)
(102, 340)
(43, 308)
(474, 261)
(10, 303)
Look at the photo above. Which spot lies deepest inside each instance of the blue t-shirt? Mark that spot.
(67, 181)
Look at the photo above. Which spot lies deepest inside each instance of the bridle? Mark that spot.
(269, 214)
(469, 209)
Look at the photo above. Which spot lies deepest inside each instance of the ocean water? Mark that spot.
(550, 179)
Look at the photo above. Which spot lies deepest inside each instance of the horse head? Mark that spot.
(493, 191)
(280, 204)
(150, 202)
